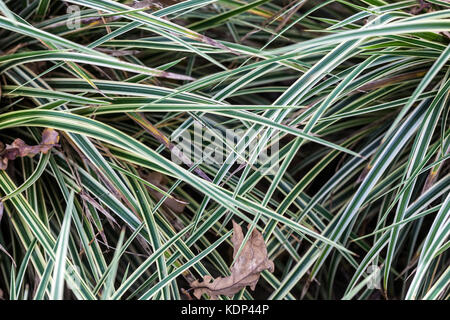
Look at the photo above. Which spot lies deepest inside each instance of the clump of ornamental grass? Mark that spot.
(230, 149)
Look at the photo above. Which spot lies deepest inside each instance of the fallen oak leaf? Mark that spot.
(246, 270)
(50, 138)
(19, 148)
(3, 157)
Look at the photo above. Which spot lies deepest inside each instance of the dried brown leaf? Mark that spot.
(250, 263)
(19, 148)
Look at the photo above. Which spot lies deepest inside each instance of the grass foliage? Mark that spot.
(356, 94)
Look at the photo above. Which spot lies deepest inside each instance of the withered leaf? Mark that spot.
(19, 148)
(250, 263)
(159, 180)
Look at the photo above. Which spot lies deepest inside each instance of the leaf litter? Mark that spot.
(245, 271)
(19, 148)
